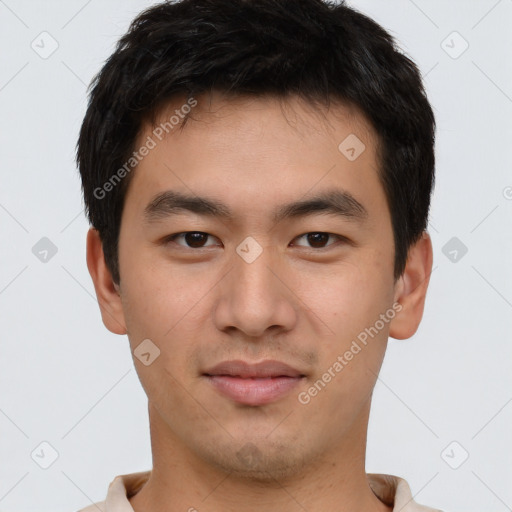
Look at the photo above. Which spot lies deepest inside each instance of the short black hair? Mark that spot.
(318, 50)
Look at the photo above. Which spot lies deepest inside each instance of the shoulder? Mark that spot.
(95, 507)
(119, 491)
(395, 491)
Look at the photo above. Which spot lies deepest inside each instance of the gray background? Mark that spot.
(65, 380)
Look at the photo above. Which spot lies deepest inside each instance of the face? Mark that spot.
(283, 255)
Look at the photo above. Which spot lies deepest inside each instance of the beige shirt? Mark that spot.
(390, 489)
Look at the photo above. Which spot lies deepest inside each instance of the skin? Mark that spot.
(296, 303)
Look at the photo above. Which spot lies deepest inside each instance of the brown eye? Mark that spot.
(318, 239)
(192, 239)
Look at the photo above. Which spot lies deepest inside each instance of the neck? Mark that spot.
(181, 481)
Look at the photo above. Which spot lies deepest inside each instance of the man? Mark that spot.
(257, 174)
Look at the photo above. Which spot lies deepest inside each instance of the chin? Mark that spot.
(257, 460)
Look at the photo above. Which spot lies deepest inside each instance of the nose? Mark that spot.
(256, 296)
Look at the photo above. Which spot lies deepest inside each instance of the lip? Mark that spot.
(268, 368)
(254, 384)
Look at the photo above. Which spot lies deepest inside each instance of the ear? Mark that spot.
(411, 289)
(107, 292)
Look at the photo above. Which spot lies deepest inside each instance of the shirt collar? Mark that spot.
(392, 490)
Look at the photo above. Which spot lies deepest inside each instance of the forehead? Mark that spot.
(233, 109)
(262, 147)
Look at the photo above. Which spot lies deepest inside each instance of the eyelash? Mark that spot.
(171, 238)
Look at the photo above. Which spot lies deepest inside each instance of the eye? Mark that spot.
(193, 239)
(198, 239)
(318, 239)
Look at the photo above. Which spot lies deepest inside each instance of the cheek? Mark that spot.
(351, 304)
(156, 295)
(167, 306)
(348, 299)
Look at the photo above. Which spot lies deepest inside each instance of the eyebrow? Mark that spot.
(333, 201)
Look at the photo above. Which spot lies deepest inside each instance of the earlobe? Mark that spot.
(411, 289)
(107, 292)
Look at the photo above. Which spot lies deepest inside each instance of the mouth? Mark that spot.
(254, 384)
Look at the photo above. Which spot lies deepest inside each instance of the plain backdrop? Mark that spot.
(442, 407)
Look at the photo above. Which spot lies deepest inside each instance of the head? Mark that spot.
(294, 142)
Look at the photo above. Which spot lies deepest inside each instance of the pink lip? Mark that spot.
(254, 384)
